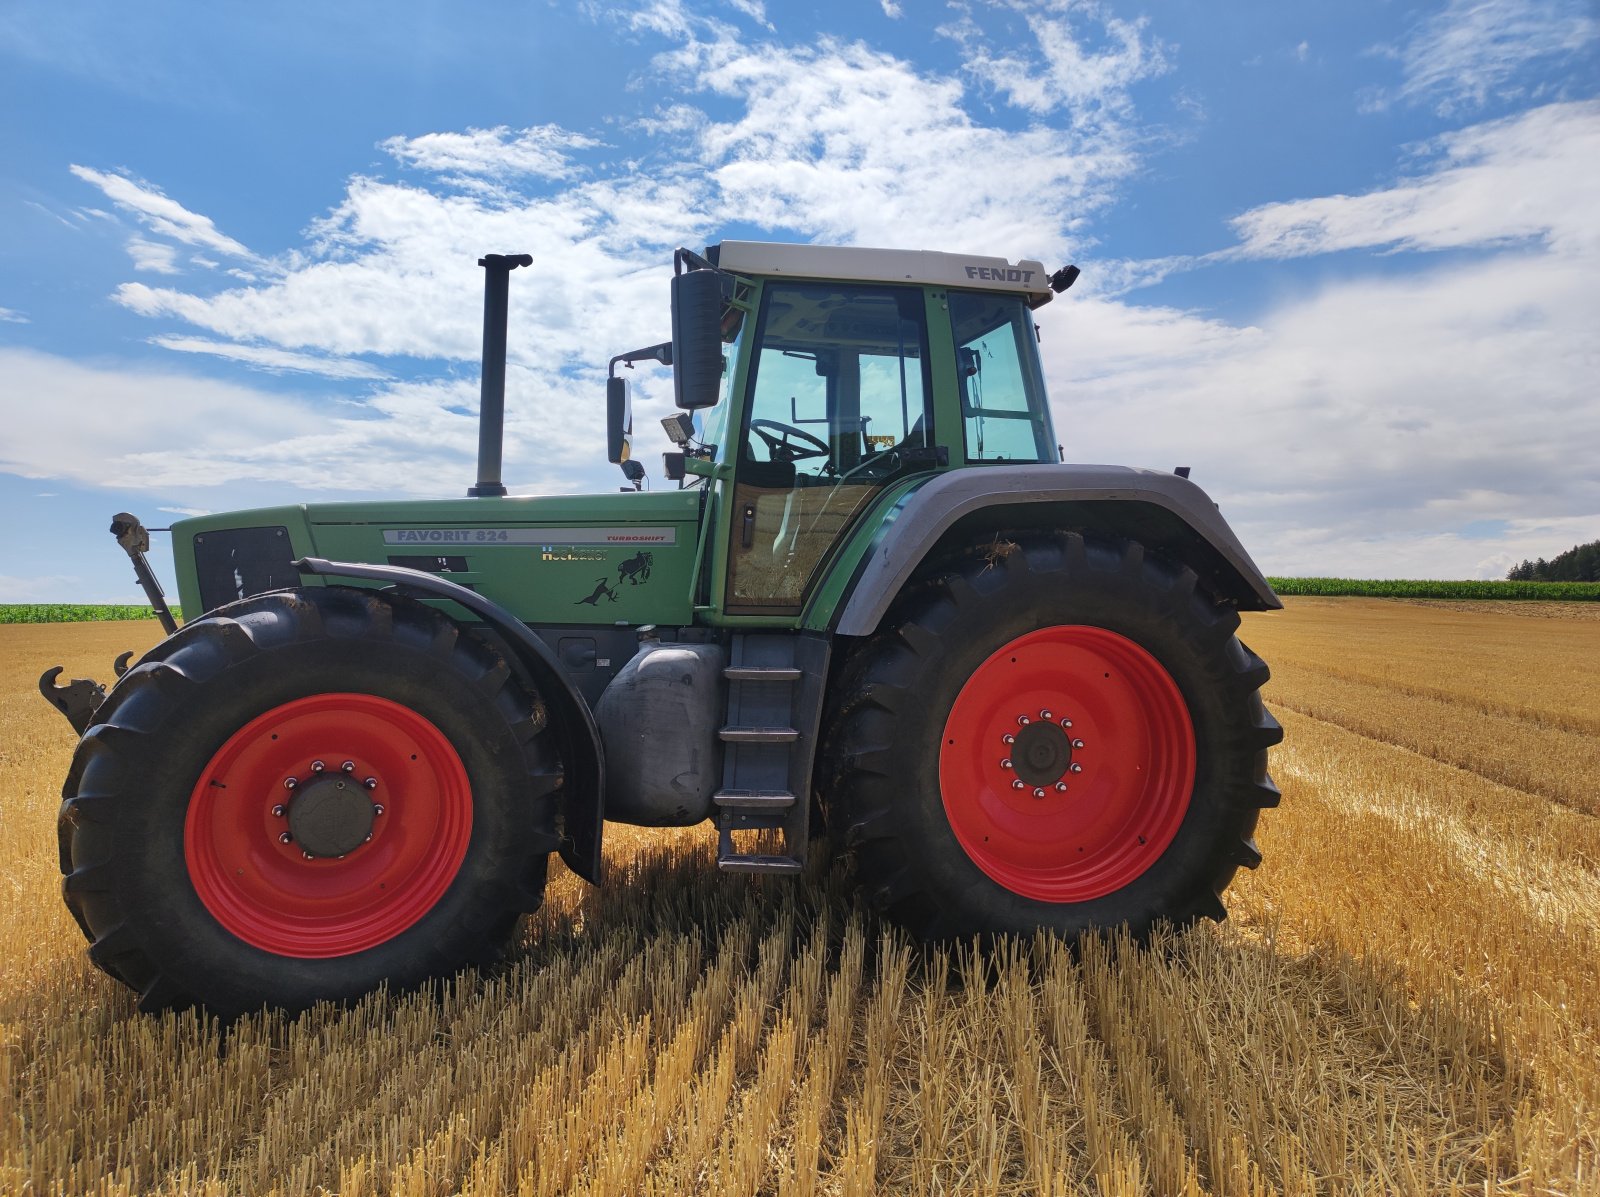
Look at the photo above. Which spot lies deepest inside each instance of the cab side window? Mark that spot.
(1004, 416)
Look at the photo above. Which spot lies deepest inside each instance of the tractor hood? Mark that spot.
(573, 559)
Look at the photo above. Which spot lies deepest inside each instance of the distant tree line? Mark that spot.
(1580, 563)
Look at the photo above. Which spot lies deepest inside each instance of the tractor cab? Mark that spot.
(842, 372)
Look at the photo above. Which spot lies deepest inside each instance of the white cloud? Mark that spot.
(396, 274)
(162, 215)
(481, 156)
(1528, 177)
(184, 436)
(1473, 51)
(7, 316)
(838, 142)
(48, 589)
(276, 360)
(186, 512)
(154, 256)
(82, 423)
(1063, 71)
(754, 9)
(1364, 430)
(1430, 421)
(845, 143)
(891, 9)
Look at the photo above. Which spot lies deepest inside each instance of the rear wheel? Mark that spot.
(303, 796)
(1065, 734)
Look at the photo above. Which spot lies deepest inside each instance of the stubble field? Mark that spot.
(1405, 1000)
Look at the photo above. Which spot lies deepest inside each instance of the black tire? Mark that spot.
(887, 728)
(134, 776)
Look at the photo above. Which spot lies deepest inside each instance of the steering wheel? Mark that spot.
(781, 448)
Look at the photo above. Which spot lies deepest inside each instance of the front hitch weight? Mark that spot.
(77, 700)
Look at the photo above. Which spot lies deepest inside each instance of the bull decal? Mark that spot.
(635, 569)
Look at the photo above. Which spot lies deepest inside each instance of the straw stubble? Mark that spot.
(1402, 1002)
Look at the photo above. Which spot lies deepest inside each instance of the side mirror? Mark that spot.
(697, 338)
(619, 420)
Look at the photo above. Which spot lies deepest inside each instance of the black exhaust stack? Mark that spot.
(497, 270)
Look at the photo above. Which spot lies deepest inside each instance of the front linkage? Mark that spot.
(79, 699)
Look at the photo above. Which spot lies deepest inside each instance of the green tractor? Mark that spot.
(874, 602)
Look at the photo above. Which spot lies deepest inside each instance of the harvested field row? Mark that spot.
(1490, 661)
(1549, 762)
(1403, 1002)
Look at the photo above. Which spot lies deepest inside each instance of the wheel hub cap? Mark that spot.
(330, 816)
(1041, 754)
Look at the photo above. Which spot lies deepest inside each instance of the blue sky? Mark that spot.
(1340, 259)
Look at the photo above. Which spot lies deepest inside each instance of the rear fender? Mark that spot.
(583, 800)
(1164, 512)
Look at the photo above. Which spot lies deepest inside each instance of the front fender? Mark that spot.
(583, 803)
(1165, 512)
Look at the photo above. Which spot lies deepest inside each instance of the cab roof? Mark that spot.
(917, 266)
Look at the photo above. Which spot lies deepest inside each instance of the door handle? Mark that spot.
(747, 526)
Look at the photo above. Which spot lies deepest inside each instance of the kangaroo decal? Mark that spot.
(602, 588)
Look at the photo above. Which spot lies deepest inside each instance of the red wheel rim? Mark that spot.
(264, 890)
(1125, 774)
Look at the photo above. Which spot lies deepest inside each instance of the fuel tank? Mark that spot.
(658, 721)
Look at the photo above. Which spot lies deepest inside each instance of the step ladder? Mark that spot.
(775, 685)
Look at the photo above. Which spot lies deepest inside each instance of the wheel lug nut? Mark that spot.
(1076, 768)
(289, 783)
(317, 766)
(1077, 743)
(1023, 721)
(1008, 738)
(1061, 787)
(1066, 723)
(307, 856)
(1046, 716)
(1006, 764)
(368, 840)
(1038, 793)
(277, 811)
(1019, 784)
(371, 783)
(377, 808)
(286, 838)
(348, 767)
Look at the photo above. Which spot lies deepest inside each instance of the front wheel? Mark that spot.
(303, 796)
(1065, 734)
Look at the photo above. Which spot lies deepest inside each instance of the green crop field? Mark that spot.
(1327, 587)
(1432, 589)
(74, 612)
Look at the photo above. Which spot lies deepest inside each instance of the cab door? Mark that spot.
(839, 392)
